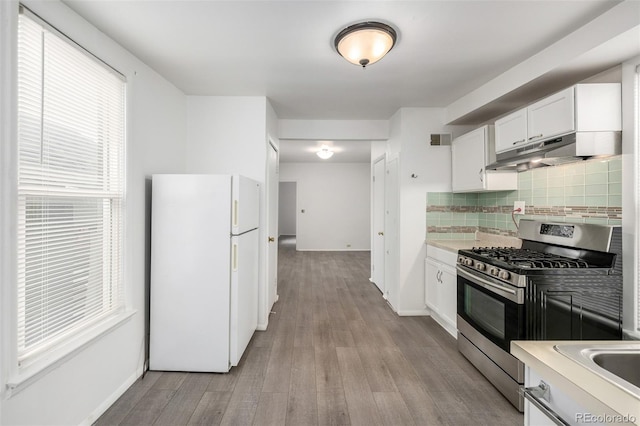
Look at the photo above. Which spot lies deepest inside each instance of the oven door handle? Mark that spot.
(516, 296)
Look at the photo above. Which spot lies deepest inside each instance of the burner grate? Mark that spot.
(527, 258)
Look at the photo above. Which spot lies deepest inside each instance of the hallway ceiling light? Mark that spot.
(365, 43)
(325, 152)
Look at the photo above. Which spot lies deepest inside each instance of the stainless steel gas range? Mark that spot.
(565, 283)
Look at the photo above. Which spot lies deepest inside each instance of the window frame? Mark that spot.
(17, 377)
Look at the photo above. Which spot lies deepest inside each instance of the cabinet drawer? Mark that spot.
(438, 254)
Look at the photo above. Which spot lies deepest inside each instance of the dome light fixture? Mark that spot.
(325, 152)
(365, 43)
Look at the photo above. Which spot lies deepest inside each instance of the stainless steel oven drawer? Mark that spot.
(501, 380)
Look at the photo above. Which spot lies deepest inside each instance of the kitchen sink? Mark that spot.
(617, 362)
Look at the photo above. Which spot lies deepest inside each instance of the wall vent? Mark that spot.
(438, 139)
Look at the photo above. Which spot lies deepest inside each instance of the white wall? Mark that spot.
(228, 135)
(410, 134)
(336, 200)
(88, 381)
(287, 208)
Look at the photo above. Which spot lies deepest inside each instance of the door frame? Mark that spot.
(375, 227)
(268, 303)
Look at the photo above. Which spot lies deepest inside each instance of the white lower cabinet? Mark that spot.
(440, 287)
(553, 406)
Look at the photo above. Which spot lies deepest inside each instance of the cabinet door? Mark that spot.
(511, 131)
(552, 116)
(431, 277)
(468, 161)
(447, 294)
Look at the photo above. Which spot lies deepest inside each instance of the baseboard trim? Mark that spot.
(104, 406)
(262, 327)
(416, 313)
(451, 329)
(349, 249)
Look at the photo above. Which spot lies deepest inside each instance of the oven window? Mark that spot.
(486, 311)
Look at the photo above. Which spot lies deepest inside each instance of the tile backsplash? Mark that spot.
(586, 191)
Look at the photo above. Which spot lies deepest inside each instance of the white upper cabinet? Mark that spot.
(470, 154)
(552, 116)
(581, 108)
(511, 130)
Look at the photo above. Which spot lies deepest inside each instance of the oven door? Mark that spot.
(493, 308)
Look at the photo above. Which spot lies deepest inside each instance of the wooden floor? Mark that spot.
(334, 354)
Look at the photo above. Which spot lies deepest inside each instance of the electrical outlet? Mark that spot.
(518, 205)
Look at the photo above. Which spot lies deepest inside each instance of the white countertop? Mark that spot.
(588, 388)
(482, 240)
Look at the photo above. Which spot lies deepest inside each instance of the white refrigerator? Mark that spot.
(204, 271)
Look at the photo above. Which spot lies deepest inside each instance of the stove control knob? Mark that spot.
(468, 262)
(461, 259)
(480, 266)
(504, 275)
(493, 271)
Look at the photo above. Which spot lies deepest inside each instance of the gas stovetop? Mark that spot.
(547, 248)
(528, 258)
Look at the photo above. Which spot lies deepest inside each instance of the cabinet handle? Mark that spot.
(536, 136)
(540, 393)
(481, 177)
(520, 141)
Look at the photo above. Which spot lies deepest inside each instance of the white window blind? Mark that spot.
(71, 123)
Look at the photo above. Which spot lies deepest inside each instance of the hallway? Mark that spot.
(334, 354)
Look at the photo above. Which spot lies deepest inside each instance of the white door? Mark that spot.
(467, 161)
(377, 229)
(431, 281)
(392, 228)
(272, 225)
(552, 116)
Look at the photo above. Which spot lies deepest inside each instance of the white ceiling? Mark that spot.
(284, 49)
(303, 151)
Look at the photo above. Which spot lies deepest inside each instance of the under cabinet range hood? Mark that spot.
(569, 148)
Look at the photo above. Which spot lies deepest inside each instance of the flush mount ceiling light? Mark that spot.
(325, 152)
(365, 43)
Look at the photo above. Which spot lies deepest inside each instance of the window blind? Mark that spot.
(71, 125)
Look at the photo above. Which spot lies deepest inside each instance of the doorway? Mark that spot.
(287, 208)
(377, 224)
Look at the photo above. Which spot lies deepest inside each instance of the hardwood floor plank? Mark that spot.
(362, 407)
(322, 335)
(170, 380)
(121, 408)
(210, 409)
(278, 375)
(378, 374)
(361, 333)
(272, 409)
(302, 408)
(223, 382)
(244, 401)
(147, 410)
(303, 337)
(328, 377)
(343, 338)
(196, 382)
(332, 408)
(180, 408)
(392, 409)
(303, 370)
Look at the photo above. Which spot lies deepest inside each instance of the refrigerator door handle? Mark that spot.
(235, 212)
(234, 261)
